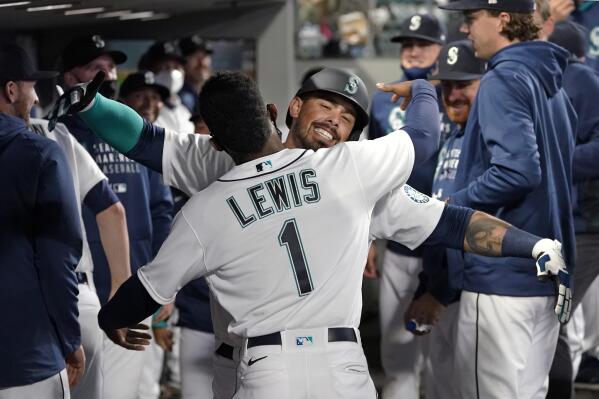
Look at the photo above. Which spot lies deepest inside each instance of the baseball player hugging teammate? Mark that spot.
(276, 234)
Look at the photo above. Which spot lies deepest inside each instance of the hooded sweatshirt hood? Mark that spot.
(546, 60)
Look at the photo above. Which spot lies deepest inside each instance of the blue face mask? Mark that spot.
(417, 73)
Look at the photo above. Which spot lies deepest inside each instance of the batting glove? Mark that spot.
(550, 265)
(76, 99)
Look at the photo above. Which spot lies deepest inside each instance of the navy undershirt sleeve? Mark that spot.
(422, 120)
(130, 305)
(451, 229)
(149, 148)
(100, 197)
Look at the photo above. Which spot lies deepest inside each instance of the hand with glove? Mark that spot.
(551, 265)
(75, 99)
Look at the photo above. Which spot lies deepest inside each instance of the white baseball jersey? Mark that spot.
(282, 240)
(86, 174)
(190, 163)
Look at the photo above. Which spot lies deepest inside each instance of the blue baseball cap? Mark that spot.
(523, 6)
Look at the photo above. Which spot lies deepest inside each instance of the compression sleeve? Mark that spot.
(422, 122)
(114, 122)
(451, 229)
(130, 305)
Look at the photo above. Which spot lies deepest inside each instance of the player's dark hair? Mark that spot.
(234, 112)
(522, 26)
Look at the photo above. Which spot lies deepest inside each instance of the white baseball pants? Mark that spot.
(320, 370)
(197, 351)
(505, 346)
(55, 387)
(91, 384)
(401, 352)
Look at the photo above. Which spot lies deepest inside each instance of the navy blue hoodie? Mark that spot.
(581, 83)
(516, 162)
(40, 246)
(148, 205)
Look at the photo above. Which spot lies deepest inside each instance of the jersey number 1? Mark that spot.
(290, 238)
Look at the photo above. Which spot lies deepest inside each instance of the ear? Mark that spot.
(272, 111)
(10, 91)
(504, 19)
(215, 144)
(295, 107)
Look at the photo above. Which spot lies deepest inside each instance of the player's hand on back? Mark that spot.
(399, 90)
(164, 338)
(75, 365)
(551, 265)
(75, 99)
(425, 310)
(132, 338)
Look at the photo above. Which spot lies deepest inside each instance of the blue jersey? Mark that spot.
(516, 162)
(581, 83)
(148, 205)
(386, 117)
(41, 246)
(587, 15)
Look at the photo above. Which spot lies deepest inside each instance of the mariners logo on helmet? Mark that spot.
(149, 78)
(352, 85)
(452, 55)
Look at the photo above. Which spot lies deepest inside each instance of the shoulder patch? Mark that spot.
(415, 195)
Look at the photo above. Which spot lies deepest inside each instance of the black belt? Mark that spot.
(337, 334)
(81, 278)
(225, 351)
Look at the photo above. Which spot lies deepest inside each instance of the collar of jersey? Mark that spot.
(247, 170)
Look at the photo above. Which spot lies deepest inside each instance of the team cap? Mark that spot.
(457, 62)
(421, 26)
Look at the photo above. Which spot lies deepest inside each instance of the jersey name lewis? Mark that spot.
(277, 195)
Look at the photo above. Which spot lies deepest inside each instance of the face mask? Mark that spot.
(173, 80)
(108, 89)
(417, 73)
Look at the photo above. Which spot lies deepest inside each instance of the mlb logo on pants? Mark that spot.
(301, 341)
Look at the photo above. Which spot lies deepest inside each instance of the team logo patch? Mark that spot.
(352, 85)
(594, 43)
(262, 166)
(415, 195)
(397, 118)
(452, 55)
(303, 341)
(415, 22)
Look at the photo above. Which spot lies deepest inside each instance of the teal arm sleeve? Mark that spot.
(114, 122)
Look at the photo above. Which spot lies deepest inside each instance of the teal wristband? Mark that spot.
(114, 122)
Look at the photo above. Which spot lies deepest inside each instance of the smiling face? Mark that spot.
(320, 121)
(146, 101)
(458, 97)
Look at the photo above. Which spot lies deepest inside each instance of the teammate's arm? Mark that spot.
(58, 243)
(112, 226)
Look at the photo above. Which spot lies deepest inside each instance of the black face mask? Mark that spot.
(108, 89)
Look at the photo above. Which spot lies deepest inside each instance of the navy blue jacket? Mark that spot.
(516, 162)
(581, 83)
(148, 205)
(386, 117)
(40, 246)
(587, 15)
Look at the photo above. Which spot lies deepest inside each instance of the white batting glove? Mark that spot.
(550, 265)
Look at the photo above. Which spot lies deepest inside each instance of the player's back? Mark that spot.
(285, 237)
